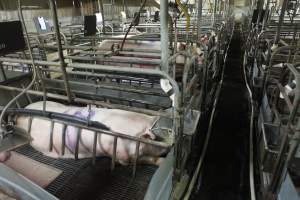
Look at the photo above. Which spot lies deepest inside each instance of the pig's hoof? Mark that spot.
(4, 156)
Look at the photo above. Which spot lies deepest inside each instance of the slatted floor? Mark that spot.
(82, 180)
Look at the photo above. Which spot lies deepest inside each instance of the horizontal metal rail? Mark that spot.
(93, 102)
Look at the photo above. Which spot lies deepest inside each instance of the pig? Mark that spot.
(120, 121)
(114, 45)
(130, 44)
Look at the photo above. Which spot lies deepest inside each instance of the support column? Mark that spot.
(199, 17)
(164, 35)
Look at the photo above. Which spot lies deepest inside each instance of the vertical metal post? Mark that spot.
(214, 12)
(136, 157)
(51, 136)
(199, 17)
(287, 149)
(63, 139)
(81, 9)
(114, 156)
(280, 22)
(78, 136)
(2, 75)
(260, 5)
(164, 36)
(100, 4)
(60, 50)
(29, 124)
(266, 14)
(94, 148)
(112, 10)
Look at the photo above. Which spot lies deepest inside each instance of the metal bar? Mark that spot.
(136, 157)
(78, 136)
(29, 125)
(118, 88)
(281, 163)
(17, 101)
(100, 3)
(94, 148)
(119, 59)
(51, 136)
(63, 139)
(186, 71)
(192, 83)
(29, 62)
(266, 14)
(3, 73)
(60, 51)
(27, 95)
(81, 9)
(260, 10)
(104, 51)
(106, 76)
(2, 131)
(280, 22)
(86, 101)
(113, 160)
(214, 13)
(164, 32)
(199, 17)
(285, 97)
(93, 95)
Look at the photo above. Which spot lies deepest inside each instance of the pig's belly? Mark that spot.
(40, 134)
(120, 121)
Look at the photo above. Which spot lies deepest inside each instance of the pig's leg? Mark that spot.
(4, 156)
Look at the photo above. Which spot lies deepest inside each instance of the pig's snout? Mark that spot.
(156, 151)
(4, 156)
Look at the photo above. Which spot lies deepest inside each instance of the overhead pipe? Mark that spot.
(60, 50)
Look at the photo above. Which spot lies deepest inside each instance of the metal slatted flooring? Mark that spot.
(82, 180)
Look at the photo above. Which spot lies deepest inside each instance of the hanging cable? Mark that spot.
(132, 23)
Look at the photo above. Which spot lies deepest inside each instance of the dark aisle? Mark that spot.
(225, 169)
